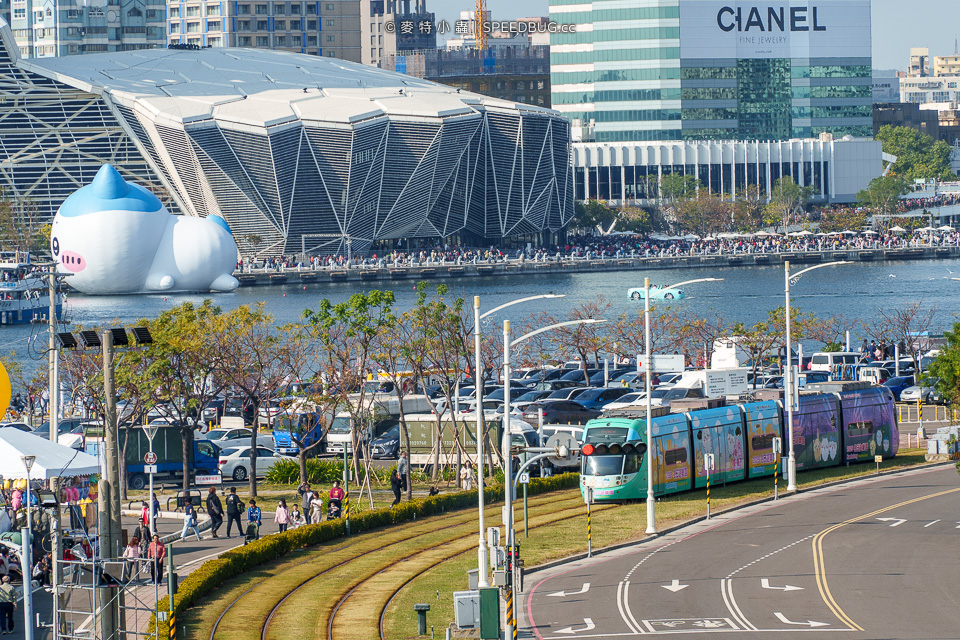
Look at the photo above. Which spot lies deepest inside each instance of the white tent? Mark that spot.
(945, 227)
(53, 460)
(898, 229)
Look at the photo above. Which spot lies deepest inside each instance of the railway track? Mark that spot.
(261, 588)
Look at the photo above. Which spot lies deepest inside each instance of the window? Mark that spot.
(213, 10)
(243, 9)
(331, 38)
(134, 13)
(153, 14)
(311, 8)
(279, 9)
(295, 40)
(193, 27)
(22, 14)
(331, 54)
(263, 25)
(261, 9)
(215, 41)
(263, 41)
(329, 7)
(281, 25)
(244, 25)
(330, 22)
(193, 12)
(38, 15)
(73, 48)
(174, 27)
(213, 25)
(243, 41)
(295, 9)
(95, 12)
(280, 41)
(174, 12)
(311, 25)
(311, 41)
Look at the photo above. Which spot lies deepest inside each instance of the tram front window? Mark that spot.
(631, 464)
(602, 465)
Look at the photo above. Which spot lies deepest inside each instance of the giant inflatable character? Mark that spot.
(116, 237)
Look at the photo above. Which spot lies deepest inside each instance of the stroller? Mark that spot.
(253, 533)
(334, 509)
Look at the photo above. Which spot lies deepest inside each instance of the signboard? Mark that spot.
(150, 468)
(724, 382)
(207, 480)
(878, 459)
(150, 457)
(733, 29)
(662, 363)
(525, 478)
(232, 422)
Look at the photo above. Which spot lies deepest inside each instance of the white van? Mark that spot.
(822, 361)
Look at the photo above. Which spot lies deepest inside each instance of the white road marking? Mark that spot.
(765, 583)
(622, 591)
(935, 522)
(589, 626)
(808, 623)
(675, 586)
(896, 521)
(561, 594)
(726, 589)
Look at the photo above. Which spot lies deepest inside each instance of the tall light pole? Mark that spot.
(788, 380)
(482, 554)
(651, 498)
(26, 557)
(505, 443)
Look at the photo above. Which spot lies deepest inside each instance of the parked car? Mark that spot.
(21, 426)
(674, 393)
(580, 376)
(630, 380)
(554, 411)
(386, 446)
(555, 385)
(235, 462)
(515, 392)
(599, 398)
(566, 394)
(926, 392)
(235, 438)
(69, 432)
(898, 384)
(633, 399)
(530, 396)
(596, 380)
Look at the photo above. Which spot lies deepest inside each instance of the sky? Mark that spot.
(928, 23)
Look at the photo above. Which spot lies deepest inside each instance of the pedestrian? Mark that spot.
(403, 468)
(144, 534)
(156, 554)
(215, 511)
(189, 521)
(253, 514)
(316, 509)
(145, 514)
(296, 518)
(466, 476)
(234, 507)
(8, 603)
(396, 484)
(156, 507)
(306, 497)
(282, 516)
(131, 553)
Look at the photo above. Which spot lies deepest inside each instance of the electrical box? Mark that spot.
(500, 578)
(466, 609)
(489, 614)
(473, 579)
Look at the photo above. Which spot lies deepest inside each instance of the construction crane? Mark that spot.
(480, 19)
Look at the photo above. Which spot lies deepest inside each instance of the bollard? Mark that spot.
(421, 610)
(776, 471)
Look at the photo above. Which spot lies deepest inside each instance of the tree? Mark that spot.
(786, 200)
(768, 337)
(842, 219)
(908, 325)
(676, 186)
(593, 214)
(747, 209)
(883, 194)
(634, 219)
(919, 156)
(176, 370)
(586, 339)
(703, 214)
(946, 366)
(20, 226)
(251, 355)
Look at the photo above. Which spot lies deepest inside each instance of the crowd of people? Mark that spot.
(614, 247)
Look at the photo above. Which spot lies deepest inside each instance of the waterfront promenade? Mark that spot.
(442, 268)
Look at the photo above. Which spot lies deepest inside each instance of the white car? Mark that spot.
(634, 399)
(235, 462)
(226, 438)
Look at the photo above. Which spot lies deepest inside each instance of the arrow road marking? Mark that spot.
(808, 623)
(561, 594)
(766, 585)
(896, 521)
(674, 586)
(589, 626)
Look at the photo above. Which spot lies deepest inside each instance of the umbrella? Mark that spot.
(849, 233)
(765, 234)
(729, 235)
(945, 227)
(926, 229)
(869, 232)
(805, 232)
(691, 236)
(898, 229)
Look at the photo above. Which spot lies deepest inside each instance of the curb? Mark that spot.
(686, 523)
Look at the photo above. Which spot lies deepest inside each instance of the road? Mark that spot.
(870, 559)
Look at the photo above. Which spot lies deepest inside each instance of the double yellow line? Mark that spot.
(818, 563)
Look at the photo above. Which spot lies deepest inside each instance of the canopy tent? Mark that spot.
(898, 229)
(869, 232)
(849, 233)
(767, 234)
(801, 234)
(945, 227)
(926, 229)
(53, 460)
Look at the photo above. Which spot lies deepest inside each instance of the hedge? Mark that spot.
(213, 573)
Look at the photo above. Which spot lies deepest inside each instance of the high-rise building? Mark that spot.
(45, 28)
(919, 62)
(712, 69)
(411, 28)
(946, 65)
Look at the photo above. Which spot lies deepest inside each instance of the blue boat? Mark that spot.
(23, 292)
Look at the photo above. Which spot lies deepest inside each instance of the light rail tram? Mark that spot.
(830, 429)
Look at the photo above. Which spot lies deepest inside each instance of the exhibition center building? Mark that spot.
(293, 151)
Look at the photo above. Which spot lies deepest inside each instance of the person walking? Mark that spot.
(234, 507)
(254, 516)
(403, 469)
(156, 555)
(8, 603)
(316, 508)
(282, 516)
(189, 521)
(396, 485)
(131, 553)
(306, 498)
(466, 476)
(215, 511)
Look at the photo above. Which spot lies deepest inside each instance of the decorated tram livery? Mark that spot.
(829, 429)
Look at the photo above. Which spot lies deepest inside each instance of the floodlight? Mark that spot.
(120, 337)
(90, 339)
(142, 335)
(67, 340)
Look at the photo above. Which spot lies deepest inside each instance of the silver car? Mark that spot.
(926, 393)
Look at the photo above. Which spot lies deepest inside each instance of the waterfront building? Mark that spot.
(930, 89)
(712, 69)
(947, 65)
(631, 172)
(352, 30)
(294, 151)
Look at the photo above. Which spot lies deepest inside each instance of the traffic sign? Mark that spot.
(525, 478)
(878, 459)
(150, 457)
(562, 439)
(150, 468)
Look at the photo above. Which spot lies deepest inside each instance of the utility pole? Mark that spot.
(52, 356)
(109, 503)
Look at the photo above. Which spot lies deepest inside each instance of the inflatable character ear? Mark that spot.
(109, 184)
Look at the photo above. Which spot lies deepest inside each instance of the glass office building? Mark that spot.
(660, 70)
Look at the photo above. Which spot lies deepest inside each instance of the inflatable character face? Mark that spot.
(116, 237)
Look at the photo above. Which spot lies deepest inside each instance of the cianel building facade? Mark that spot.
(294, 151)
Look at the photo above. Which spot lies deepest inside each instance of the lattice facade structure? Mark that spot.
(285, 145)
(54, 138)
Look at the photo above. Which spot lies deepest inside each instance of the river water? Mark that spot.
(856, 291)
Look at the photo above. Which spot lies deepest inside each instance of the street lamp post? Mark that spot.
(505, 442)
(151, 431)
(651, 498)
(26, 557)
(788, 380)
(482, 553)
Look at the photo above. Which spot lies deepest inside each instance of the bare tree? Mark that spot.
(909, 326)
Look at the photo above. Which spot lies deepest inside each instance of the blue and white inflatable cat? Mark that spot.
(116, 237)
